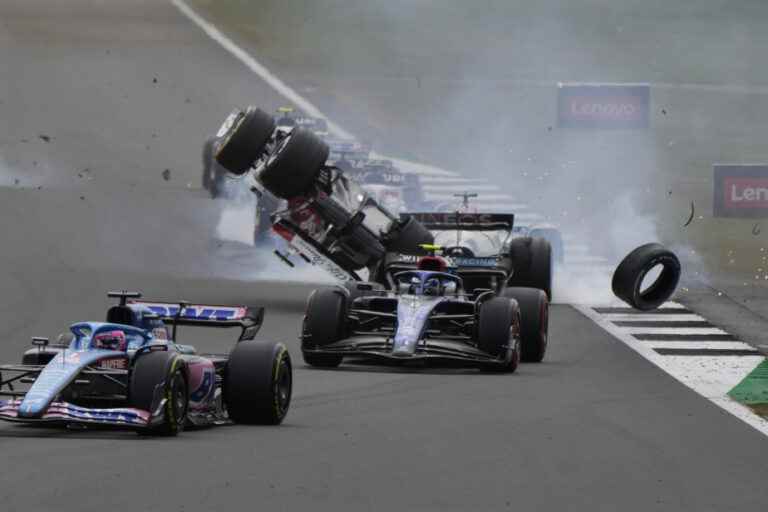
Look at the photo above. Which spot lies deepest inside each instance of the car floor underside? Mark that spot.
(448, 335)
(441, 349)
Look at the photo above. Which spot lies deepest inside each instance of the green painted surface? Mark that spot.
(753, 390)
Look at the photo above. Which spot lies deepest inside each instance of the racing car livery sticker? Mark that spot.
(453, 262)
(57, 374)
(197, 312)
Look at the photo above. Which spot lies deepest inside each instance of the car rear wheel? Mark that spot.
(166, 371)
(323, 324)
(243, 137)
(258, 383)
(555, 239)
(534, 321)
(293, 166)
(497, 321)
(531, 259)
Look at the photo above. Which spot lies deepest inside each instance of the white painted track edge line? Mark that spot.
(278, 85)
(740, 411)
(257, 68)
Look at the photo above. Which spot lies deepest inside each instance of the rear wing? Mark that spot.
(463, 220)
(249, 319)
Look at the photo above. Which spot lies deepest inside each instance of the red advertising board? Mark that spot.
(740, 190)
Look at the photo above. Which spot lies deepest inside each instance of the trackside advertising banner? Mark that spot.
(741, 190)
(603, 106)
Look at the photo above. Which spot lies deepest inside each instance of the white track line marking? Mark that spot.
(455, 189)
(431, 179)
(703, 345)
(486, 197)
(711, 377)
(258, 68)
(682, 317)
(688, 331)
(289, 93)
(415, 167)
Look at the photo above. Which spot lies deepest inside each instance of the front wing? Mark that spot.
(64, 412)
(433, 350)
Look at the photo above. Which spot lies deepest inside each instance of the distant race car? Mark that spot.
(428, 316)
(548, 231)
(348, 155)
(395, 190)
(129, 372)
(288, 120)
(329, 219)
(482, 249)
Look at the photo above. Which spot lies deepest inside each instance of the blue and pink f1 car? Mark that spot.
(129, 372)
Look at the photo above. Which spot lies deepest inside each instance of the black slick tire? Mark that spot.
(258, 382)
(534, 322)
(244, 141)
(293, 166)
(323, 324)
(555, 239)
(531, 259)
(156, 376)
(408, 237)
(628, 277)
(496, 322)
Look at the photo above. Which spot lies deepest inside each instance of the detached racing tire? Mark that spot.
(258, 381)
(168, 371)
(243, 138)
(534, 322)
(408, 237)
(531, 259)
(496, 320)
(323, 324)
(628, 277)
(293, 166)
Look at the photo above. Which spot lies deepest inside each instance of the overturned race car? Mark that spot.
(129, 372)
(329, 219)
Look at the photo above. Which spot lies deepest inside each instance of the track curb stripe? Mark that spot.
(672, 365)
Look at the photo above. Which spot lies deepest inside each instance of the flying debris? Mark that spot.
(690, 218)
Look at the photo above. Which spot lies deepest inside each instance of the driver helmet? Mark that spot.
(110, 340)
(432, 286)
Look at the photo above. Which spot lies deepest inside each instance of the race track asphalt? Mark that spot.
(593, 428)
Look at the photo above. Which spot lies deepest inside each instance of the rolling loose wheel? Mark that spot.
(628, 278)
